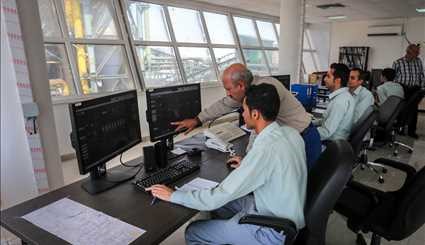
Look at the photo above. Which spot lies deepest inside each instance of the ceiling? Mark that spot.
(354, 10)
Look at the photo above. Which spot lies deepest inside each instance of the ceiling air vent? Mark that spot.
(331, 5)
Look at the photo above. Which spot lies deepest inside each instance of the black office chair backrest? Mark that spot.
(360, 129)
(326, 180)
(389, 111)
(410, 211)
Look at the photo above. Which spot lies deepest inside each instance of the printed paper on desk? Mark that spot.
(79, 224)
(198, 184)
(178, 151)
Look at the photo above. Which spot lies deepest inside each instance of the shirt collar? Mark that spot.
(404, 58)
(267, 130)
(337, 92)
(357, 91)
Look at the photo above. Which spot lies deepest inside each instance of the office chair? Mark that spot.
(326, 180)
(358, 133)
(393, 215)
(388, 113)
(403, 119)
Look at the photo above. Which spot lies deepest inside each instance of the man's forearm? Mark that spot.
(219, 108)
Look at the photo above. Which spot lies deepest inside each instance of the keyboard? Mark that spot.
(166, 175)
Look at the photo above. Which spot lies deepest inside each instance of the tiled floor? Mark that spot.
(338, 233)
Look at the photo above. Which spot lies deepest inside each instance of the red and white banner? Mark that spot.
(14, 36)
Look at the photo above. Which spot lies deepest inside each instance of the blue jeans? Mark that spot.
(226, 230)
(313, 146)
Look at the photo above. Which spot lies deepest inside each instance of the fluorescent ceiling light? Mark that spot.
(337, 17)
(420, 10)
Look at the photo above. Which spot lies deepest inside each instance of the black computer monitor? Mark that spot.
(103, 128)
(171, 104)
(285, 80)
(375, 78)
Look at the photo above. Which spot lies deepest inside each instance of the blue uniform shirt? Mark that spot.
(338, 117)
(274, 170)
(363, 99)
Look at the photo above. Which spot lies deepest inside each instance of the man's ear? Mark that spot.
(255, 114)
(337, 81)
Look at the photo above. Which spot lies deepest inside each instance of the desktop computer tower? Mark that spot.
(149, 156)
(161, 154)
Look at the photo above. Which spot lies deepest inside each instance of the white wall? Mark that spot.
(63, 123)
(17, 176)
(384, 50)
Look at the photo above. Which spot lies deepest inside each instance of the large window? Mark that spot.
(310, 58)
(259, 44)
(100, 46)
(85, 50)
(148, 22)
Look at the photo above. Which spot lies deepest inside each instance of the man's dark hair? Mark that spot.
(265, 99)
(389, 74)
(333, 65)
(362, 74)
(342, 72)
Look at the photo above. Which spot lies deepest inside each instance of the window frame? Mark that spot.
(69, 42)
(130, 45)
(311, 52)
(260, 46)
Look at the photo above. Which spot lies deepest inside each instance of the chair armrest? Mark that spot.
(279, 224)
(409, 170)
(372, 193)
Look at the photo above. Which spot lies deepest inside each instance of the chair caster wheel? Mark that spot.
(384, 170)
(410, 151)
(381, 180)
(395, 153)
(362, 167)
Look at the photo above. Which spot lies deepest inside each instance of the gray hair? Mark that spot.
(244, 75)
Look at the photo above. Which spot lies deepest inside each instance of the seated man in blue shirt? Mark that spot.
(363, 98)
(274, 171)
(338, 118)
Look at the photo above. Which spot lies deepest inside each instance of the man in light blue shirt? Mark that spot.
(388, 87)
(338, 118)
(363, 98)
(274, 171)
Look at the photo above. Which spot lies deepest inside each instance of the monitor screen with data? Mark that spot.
(171, 104)
(104, 128)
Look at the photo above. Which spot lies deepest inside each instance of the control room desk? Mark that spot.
(124, 202)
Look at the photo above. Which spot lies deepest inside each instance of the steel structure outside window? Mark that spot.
(101, 46)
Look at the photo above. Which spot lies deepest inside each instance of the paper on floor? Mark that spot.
(79, 224)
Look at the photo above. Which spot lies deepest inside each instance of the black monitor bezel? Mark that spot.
(149, 92)
(283, 75)
(86, 169)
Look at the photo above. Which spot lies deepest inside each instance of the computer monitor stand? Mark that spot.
(101, 180)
